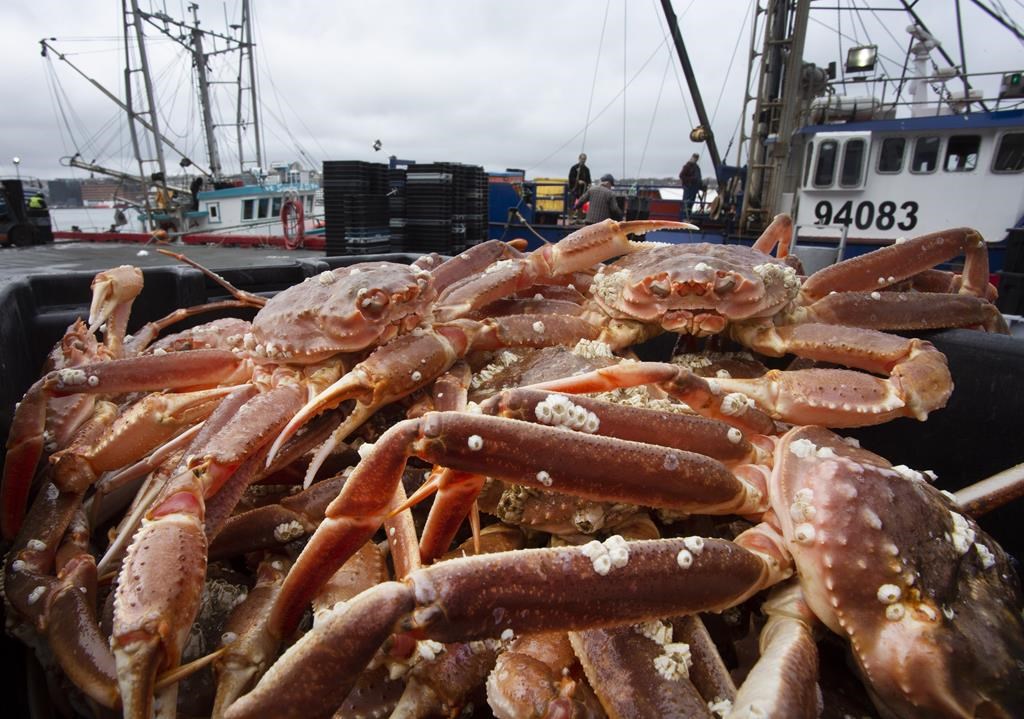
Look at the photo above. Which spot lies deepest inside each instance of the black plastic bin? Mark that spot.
(976, 435)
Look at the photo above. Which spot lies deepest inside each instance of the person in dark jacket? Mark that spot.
(603, 203)
(579, 178)
(689, 178)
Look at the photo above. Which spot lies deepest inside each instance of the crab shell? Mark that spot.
(695, 289)
(929, 602)
(343, 310)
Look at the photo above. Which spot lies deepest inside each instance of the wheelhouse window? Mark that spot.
(890, 157)
(264, 207)
(248, 209)
(825, 170)
(1010, 155)
(275, 207)
(926, 154)
(807, 166)
(213, 211)
(962, 153)
(853, 163)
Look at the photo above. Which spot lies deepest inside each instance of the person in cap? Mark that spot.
(689, 178)
(579, 178)
(603, 202)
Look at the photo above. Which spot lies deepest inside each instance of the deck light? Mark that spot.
(861, 59)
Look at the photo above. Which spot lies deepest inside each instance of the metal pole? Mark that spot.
(691, 82)
(204, 99)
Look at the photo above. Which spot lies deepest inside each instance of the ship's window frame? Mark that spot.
(833, 147)
(248, 210)
(961, 153)
(275, 206)
(855, 178)
(1012, 159)
(264, 208)
(213, 213)
(882, 156)
(309, 202)
(916, 158)
(809, 163)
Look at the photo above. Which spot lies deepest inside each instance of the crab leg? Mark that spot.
(578, 251)
(918, 379)
(589, 466)
(889, 265)
(24, 444)
(457, 601)
(905, 311)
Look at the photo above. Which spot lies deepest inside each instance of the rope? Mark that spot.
(593, 80)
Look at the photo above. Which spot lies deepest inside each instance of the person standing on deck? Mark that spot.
(689, 178)
(579, 179)
(603, 203)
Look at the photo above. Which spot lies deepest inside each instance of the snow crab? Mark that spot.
(877, 554)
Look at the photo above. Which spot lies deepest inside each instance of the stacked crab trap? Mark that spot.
(356, 207)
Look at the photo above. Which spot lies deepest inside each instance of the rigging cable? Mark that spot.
(728, 71)
(593, 81)
(654, 114)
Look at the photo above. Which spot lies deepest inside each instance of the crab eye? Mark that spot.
(372, 303)
(660, 288)
(725, 284)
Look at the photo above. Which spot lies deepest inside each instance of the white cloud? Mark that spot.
(500, 85)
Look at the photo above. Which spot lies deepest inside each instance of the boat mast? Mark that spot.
(246, 60)
(199, 59)
(133, 24)
(691, 80)
(776, 109)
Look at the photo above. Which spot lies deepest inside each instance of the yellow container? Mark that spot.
(550, 193)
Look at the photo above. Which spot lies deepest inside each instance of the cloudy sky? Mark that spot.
(527, 84)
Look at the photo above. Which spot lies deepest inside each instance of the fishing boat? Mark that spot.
(858, 157)
(256, 203)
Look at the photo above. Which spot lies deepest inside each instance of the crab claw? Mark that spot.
(113, 292)
(599, 242)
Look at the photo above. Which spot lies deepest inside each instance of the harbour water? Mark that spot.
(93, 219)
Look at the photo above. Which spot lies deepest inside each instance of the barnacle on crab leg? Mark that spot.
(457, 600)
(588, 466)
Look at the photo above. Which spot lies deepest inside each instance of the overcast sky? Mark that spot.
(527, 84)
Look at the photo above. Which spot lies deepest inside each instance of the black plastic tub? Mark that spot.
(978, 434)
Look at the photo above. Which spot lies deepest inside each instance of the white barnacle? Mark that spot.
(694, 544)
(948, 613)
(93, 380)
(416, 376)
(618, 551)
(597, 553)
(19, 565)
(888, 593)
(684, 559)
(675, 662)
(881, 280)
(35, 595)
(671, 462)
(52, 493)
(327, 277)
(538, 327)
(734, 404)
(429, 649)
(475, 442)
(825, 453)
(544, 478)
(876, 295)
(803, 448)
(988, 560)
(723, 374)
(228, 638)
(592, 349)
(734, 435)
(908, 473)
(928, 612)
(720, 707)
(36, 545)
(507, 635)
(963, 535)
(70, 377)
(702, 266)
(894, 612)
(656, 630)
(804, 533)
(287, 531)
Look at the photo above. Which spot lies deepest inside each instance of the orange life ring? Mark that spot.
(293, 222)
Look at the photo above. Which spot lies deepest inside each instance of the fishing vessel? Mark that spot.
(251, 202)
(858, 156)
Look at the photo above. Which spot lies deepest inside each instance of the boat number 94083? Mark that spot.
(866, 215)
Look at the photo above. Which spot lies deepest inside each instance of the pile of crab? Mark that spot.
(233, 520)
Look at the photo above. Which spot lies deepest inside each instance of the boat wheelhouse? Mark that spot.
(877, 180)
